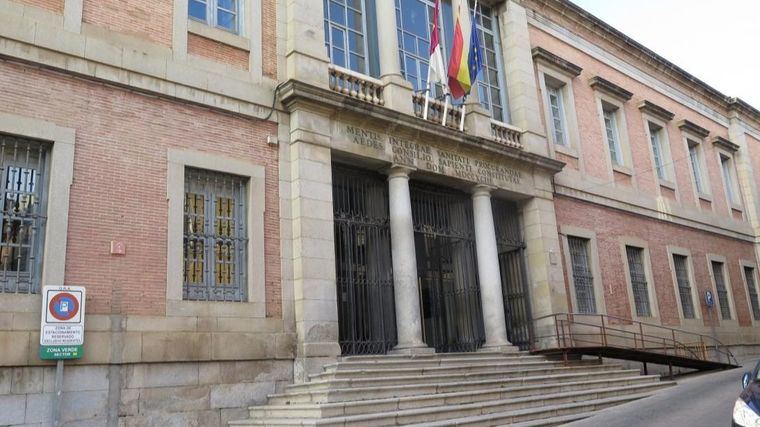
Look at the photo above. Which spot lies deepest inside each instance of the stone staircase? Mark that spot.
(482, 389)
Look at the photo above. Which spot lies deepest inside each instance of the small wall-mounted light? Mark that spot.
(118, 248)
(272, 140)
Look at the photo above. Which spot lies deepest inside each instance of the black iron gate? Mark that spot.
(366, 308)
(514, 283)
(447, 268)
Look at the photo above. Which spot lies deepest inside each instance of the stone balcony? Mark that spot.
(370, 90)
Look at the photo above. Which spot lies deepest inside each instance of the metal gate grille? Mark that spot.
(366, 307)
(582, 276)
(720, 287)
(514, 283)
(447, 268)
(638, 281)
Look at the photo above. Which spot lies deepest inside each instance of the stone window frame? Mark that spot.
(249, 38)
(667, 153)
(731, 204)
(729, 288)
(753, 265)
(696, 298)
(651, 289)
(570, 231)
(177, 161)
(572, 132)
(603, 100)
(704, 174)
(60, 178)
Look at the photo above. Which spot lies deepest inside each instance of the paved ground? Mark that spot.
(702, 400)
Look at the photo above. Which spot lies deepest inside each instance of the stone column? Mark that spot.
(408, 319)
(397, 92)
(491, 297)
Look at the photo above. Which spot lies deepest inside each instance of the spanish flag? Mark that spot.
(466, 60)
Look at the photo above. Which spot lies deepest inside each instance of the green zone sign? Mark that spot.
(62, 323)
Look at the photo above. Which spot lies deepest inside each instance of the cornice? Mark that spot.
(297, 95)
(655, 110)
(603, 85)
(694, 128)
(542, 55)
(725, 144)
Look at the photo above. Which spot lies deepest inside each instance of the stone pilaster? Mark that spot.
(524, 106)
(305, 54)
(548, 294)
(408, 319)
(314, 292)
(491, 296)
(477, 119)
(397, 92)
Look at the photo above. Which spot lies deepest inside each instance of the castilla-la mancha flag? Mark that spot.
(459, 73)
(437, 72)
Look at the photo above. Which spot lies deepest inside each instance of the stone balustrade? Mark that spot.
(435, 111)
(356, 85)
(505, 134)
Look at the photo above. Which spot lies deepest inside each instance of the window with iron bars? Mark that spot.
(720, 288)
(638, 281)
(749, 275)
(24, 178)
(684, 287)
(215, 237)
(582, 275)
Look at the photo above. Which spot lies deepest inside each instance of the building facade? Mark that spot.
(249, 189)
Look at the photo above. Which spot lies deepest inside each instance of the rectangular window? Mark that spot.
(222, 14)
(349, 36)
(657, 151)
(582, 275)
(24, 182)
(720, 288)
(638, 281)
(557, 110)
(489, 83)
(215, 237)
(613, 137)
(696, 166)
(684, 287)
(726, 167)
(749, 276)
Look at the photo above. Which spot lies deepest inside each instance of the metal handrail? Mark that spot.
(573, 330)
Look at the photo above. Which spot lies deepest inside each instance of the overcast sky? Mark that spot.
(716, 41)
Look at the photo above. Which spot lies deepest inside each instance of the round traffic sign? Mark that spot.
(63, 306)
(709, 299)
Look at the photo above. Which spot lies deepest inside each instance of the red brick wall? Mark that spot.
(214, 50)
(612, 225)
(52, 5)
(269, 38)
(151, 20)
(119, 188)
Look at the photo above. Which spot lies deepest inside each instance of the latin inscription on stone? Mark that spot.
(433, 159)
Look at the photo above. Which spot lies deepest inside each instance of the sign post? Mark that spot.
(61, 332)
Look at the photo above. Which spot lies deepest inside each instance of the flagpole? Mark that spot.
(445, 109)
(461, 119)
(427, 96)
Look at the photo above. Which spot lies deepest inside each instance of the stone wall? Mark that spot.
(181, 394)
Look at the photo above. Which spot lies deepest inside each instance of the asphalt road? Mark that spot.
(701, 400)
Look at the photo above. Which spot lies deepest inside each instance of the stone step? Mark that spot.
(394, 391)
(554, 421)
(434, 370)
(326, 410)
(481, 413)
(404, 380)
(429, 362)
(429, 356)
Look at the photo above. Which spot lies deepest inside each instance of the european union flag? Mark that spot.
(475, 56)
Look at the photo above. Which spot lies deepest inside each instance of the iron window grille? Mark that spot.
(215, 237)
(223, 14)
(24, 178)
(749, 275)
(720, 288)
(638, 281)
(582, 275)
(684, 287)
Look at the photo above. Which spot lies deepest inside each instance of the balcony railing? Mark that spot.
(505, 134)
(356, 85)
(435, 111)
